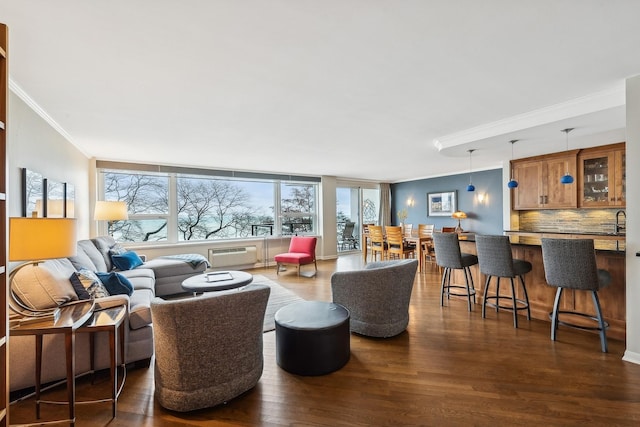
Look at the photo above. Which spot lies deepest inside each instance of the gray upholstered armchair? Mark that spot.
(208, 348)
(377, 296)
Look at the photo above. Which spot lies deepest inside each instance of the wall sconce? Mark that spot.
(411, 202)
(482, 198)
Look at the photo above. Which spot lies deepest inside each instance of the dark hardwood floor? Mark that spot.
(449, 368)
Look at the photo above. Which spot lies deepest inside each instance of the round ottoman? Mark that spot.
(312, 337)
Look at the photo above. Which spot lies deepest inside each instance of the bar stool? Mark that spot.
(571, 264)
(449, 257)
(496, 260)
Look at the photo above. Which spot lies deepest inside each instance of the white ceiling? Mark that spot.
(363, 89)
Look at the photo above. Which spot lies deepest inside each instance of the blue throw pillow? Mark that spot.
(127, 261)
(115, 283)
(88, 280)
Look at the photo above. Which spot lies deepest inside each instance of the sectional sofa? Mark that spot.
(156, 277)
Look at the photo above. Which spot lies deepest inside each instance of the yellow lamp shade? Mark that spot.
(32, 239)
(459, 215)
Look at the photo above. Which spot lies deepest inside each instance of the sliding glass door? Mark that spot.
(354, 206)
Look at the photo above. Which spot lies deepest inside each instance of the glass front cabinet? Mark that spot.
(602, 180)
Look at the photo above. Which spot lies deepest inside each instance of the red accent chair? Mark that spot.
(302, 251)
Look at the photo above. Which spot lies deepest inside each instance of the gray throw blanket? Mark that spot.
(193, 259)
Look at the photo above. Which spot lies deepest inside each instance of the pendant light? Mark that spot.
(470, 187)
(567, 178)
(512, 182)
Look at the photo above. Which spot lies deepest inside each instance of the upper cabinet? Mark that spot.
(539, 185)
(601, 179)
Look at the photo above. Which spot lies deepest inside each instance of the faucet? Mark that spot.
(618, 225)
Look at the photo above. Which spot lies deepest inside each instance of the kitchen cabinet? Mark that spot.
(602, 176)
(539, 185)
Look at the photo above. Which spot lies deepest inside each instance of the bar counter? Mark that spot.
(541, 295)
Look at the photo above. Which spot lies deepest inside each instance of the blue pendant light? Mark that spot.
(470, 187)
(512, 182)
(567, 178)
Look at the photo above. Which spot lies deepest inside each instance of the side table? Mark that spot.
(69, 319)
(110, 320)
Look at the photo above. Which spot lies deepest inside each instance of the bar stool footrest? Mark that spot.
(577, 326)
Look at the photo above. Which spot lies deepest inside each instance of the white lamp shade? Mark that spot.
(110, 211)
(34, 239)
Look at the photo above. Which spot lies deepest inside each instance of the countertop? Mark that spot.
(568, 234)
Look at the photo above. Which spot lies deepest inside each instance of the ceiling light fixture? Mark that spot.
(512, 182)
(567, 178)
(470, 187)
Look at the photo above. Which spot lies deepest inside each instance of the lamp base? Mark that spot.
(459, 228)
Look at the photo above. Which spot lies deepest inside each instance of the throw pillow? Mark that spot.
(91, 283)
(41, 288)
(127, 261)
(115, 283)
(81, 292)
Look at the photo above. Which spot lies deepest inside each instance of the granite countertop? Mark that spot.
(595, 235)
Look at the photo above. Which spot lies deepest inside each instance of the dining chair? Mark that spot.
(448, 229)
(428, 252)
(378, 243)
(396, 244)
(407, 232)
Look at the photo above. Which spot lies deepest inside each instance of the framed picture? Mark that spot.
(441, 204)
(33, 193)
(55, 199)
(69, 200)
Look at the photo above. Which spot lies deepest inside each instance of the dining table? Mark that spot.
(419, 241)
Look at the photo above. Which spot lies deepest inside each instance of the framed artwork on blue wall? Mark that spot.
(441, 204)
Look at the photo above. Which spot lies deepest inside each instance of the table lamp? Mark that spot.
(110, 211)
(459, 215)
(35, 240)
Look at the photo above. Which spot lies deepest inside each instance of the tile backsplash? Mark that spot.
(570, 220)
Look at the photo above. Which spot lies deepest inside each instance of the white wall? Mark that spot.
(34, 144)
(632, 353)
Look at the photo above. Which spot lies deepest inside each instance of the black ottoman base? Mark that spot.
(312, 337)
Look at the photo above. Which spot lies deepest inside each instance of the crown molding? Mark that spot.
(610, 98)
(20, 93)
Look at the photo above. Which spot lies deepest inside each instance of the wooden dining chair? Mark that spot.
(428, 251)
(378, 243)
(396, 244)
(448, 229)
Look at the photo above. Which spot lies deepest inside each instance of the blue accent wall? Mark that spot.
(484, 218)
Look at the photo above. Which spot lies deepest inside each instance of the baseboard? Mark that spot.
(630, 356)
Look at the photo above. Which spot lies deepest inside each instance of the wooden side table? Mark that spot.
(110, 320)
(70, 318)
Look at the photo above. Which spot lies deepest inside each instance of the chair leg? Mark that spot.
(554, 316)
(444, 279)
(277, 269)
(526, 297)
(515, 304)
(484, 297)
(467, 276)
(601, 324)
(497, 293)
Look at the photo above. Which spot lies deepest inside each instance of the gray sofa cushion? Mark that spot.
(167, 267)
(140, 278)
(88, 257)
(104, 244)
(139, 308)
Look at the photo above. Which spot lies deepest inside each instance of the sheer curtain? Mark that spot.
(384, 216)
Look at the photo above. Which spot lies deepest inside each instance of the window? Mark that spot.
(177, 207)
(147, 198)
